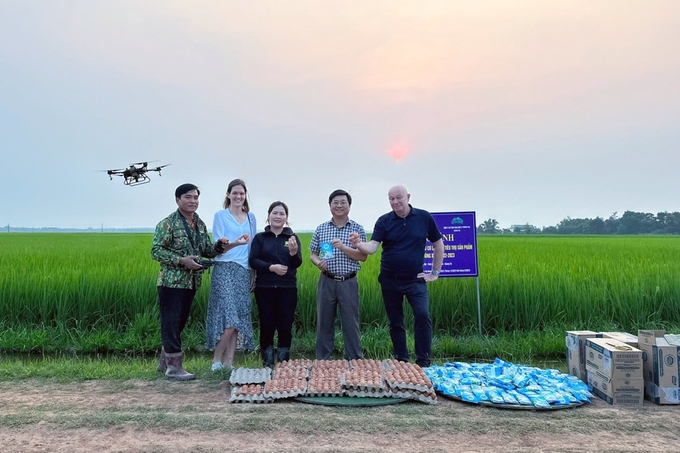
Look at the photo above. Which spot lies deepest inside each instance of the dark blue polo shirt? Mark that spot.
(403, 242)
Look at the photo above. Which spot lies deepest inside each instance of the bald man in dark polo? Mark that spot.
(403, 233)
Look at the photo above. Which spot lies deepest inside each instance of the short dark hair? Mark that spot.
(340, 192)
(184, 188)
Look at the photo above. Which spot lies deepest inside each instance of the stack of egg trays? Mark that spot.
(411, 390)
(240, 394)
(379, 390)
(295, 374)
(314, 380)
(241, 377)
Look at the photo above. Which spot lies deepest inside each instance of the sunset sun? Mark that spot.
(398, 152)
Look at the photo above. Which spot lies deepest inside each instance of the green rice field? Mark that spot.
(104, 285)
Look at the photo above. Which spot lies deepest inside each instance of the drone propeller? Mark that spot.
(158, 169)
(112, 173)
(145, 163)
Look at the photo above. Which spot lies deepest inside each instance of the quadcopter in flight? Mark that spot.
(135, 174)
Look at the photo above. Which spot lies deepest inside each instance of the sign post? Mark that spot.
(459, 230)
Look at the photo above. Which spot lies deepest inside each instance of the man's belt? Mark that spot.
(339, 278)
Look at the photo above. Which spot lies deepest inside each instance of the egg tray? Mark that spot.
(242, 376)
(315, 386)
(283, 395)
(381, 393)
(390, 364)
(366, 364)
(340, 365)
(292, 364)
(394, 385)
(362, 387)
(376, 366)
(315, 374)
(299, 390)
(325, 393)
(291, 373)
(429, 398)
(236, 398)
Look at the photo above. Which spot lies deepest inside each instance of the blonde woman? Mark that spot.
(229, 305)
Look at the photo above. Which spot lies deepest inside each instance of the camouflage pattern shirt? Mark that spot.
(174, 239)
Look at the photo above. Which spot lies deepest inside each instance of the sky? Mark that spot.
(521, 111)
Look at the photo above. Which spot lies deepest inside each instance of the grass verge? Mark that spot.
(544, 348)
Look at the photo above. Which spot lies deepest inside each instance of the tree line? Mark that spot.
(630, 222)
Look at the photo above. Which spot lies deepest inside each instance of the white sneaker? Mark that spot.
(217, 366)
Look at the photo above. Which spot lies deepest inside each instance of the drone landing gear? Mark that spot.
(137, 181)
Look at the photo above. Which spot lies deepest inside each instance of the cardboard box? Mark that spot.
(617, 392)
(649, 336)
(661, 367)
(623, 337)
(576, 351)
(666, 369)
(668, 395)
(613, 359)
(672, 338)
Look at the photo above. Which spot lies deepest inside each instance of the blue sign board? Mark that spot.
(459, 230)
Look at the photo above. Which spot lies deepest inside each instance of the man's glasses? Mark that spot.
(339, 203)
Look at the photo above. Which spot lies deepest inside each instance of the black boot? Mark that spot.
(268, 357)
(283, 354)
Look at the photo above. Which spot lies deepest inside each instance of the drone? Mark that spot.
(135, 174)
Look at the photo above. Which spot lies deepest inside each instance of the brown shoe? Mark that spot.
(175, 370)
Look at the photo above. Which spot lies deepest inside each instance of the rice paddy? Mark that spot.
(100, 289)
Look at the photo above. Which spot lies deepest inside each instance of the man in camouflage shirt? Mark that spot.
(179, 242)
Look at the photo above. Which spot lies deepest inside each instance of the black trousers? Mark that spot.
(175, 305)
(276, 309)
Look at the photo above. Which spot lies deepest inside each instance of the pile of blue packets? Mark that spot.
(504, 383)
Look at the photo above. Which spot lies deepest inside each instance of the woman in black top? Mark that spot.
(275, 255)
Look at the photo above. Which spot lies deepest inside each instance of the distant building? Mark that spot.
(524, 228)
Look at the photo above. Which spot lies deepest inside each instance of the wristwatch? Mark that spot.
(435, 272)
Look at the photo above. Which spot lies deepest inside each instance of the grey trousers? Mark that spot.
(331, 295)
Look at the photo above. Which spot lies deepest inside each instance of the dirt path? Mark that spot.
(159, 416)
